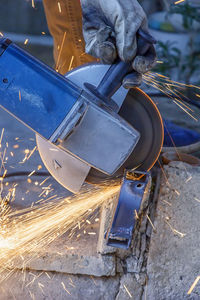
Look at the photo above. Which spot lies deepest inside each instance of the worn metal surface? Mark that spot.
(126, 214)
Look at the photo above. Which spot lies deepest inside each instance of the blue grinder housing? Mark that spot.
(33, 92)
(81, 122)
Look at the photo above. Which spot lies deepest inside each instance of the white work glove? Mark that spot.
(109, 29)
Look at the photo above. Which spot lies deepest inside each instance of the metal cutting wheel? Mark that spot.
(142, 113)
(135, 107)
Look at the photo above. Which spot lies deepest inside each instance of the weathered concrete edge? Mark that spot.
(99, 265)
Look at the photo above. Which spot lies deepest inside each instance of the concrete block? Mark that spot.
(173, 262)
(70, 262)
(130, 288)
(107, 212)
(34, 285)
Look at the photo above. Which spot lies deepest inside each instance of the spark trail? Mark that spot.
(173, 90)
(27, 231)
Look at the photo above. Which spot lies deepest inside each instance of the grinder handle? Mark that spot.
(113, 78)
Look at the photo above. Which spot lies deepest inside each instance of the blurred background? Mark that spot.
(24, 22)
(175, 25)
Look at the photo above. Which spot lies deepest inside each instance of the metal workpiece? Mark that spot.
(127, 209)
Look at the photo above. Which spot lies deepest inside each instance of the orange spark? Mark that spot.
(60, 51)
(130, 296)
(193, 285)
(2, 132)
(176, 232)
(20, 96)
(151, 223)
(179, 1)
(71, 62)
(59, 7)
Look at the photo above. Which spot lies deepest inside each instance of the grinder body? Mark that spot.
(81, 119)
(66, 115)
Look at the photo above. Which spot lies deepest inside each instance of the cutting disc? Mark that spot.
(141, 112)
(135, 107)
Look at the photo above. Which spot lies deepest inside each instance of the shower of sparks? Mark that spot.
(20, 96)
(71, 62)
(2, 132)
(60, 52)
(172, 89)
(59, 7)
(196, 199)
(151, 223)
(177, 2)
(129, 294)
(167, 202)
(31, 173)
(64, 287)
(193, 285)
(28, 153)
(177, 192)
(29, 230)
(185, 111)
(189, 178)
(176, 232)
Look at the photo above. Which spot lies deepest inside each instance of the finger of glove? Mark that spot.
(107, 53)
(127, 42)
(100, 44)
(132, 80)
(143, 64)
(92, 24)
(126, 17)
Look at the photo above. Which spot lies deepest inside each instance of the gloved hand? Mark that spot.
(109, 29)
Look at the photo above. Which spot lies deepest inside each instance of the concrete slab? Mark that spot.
(71, 257)
(173, 262)
(130, 288)
(56, 286)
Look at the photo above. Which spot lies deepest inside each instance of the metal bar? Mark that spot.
(129, 202)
